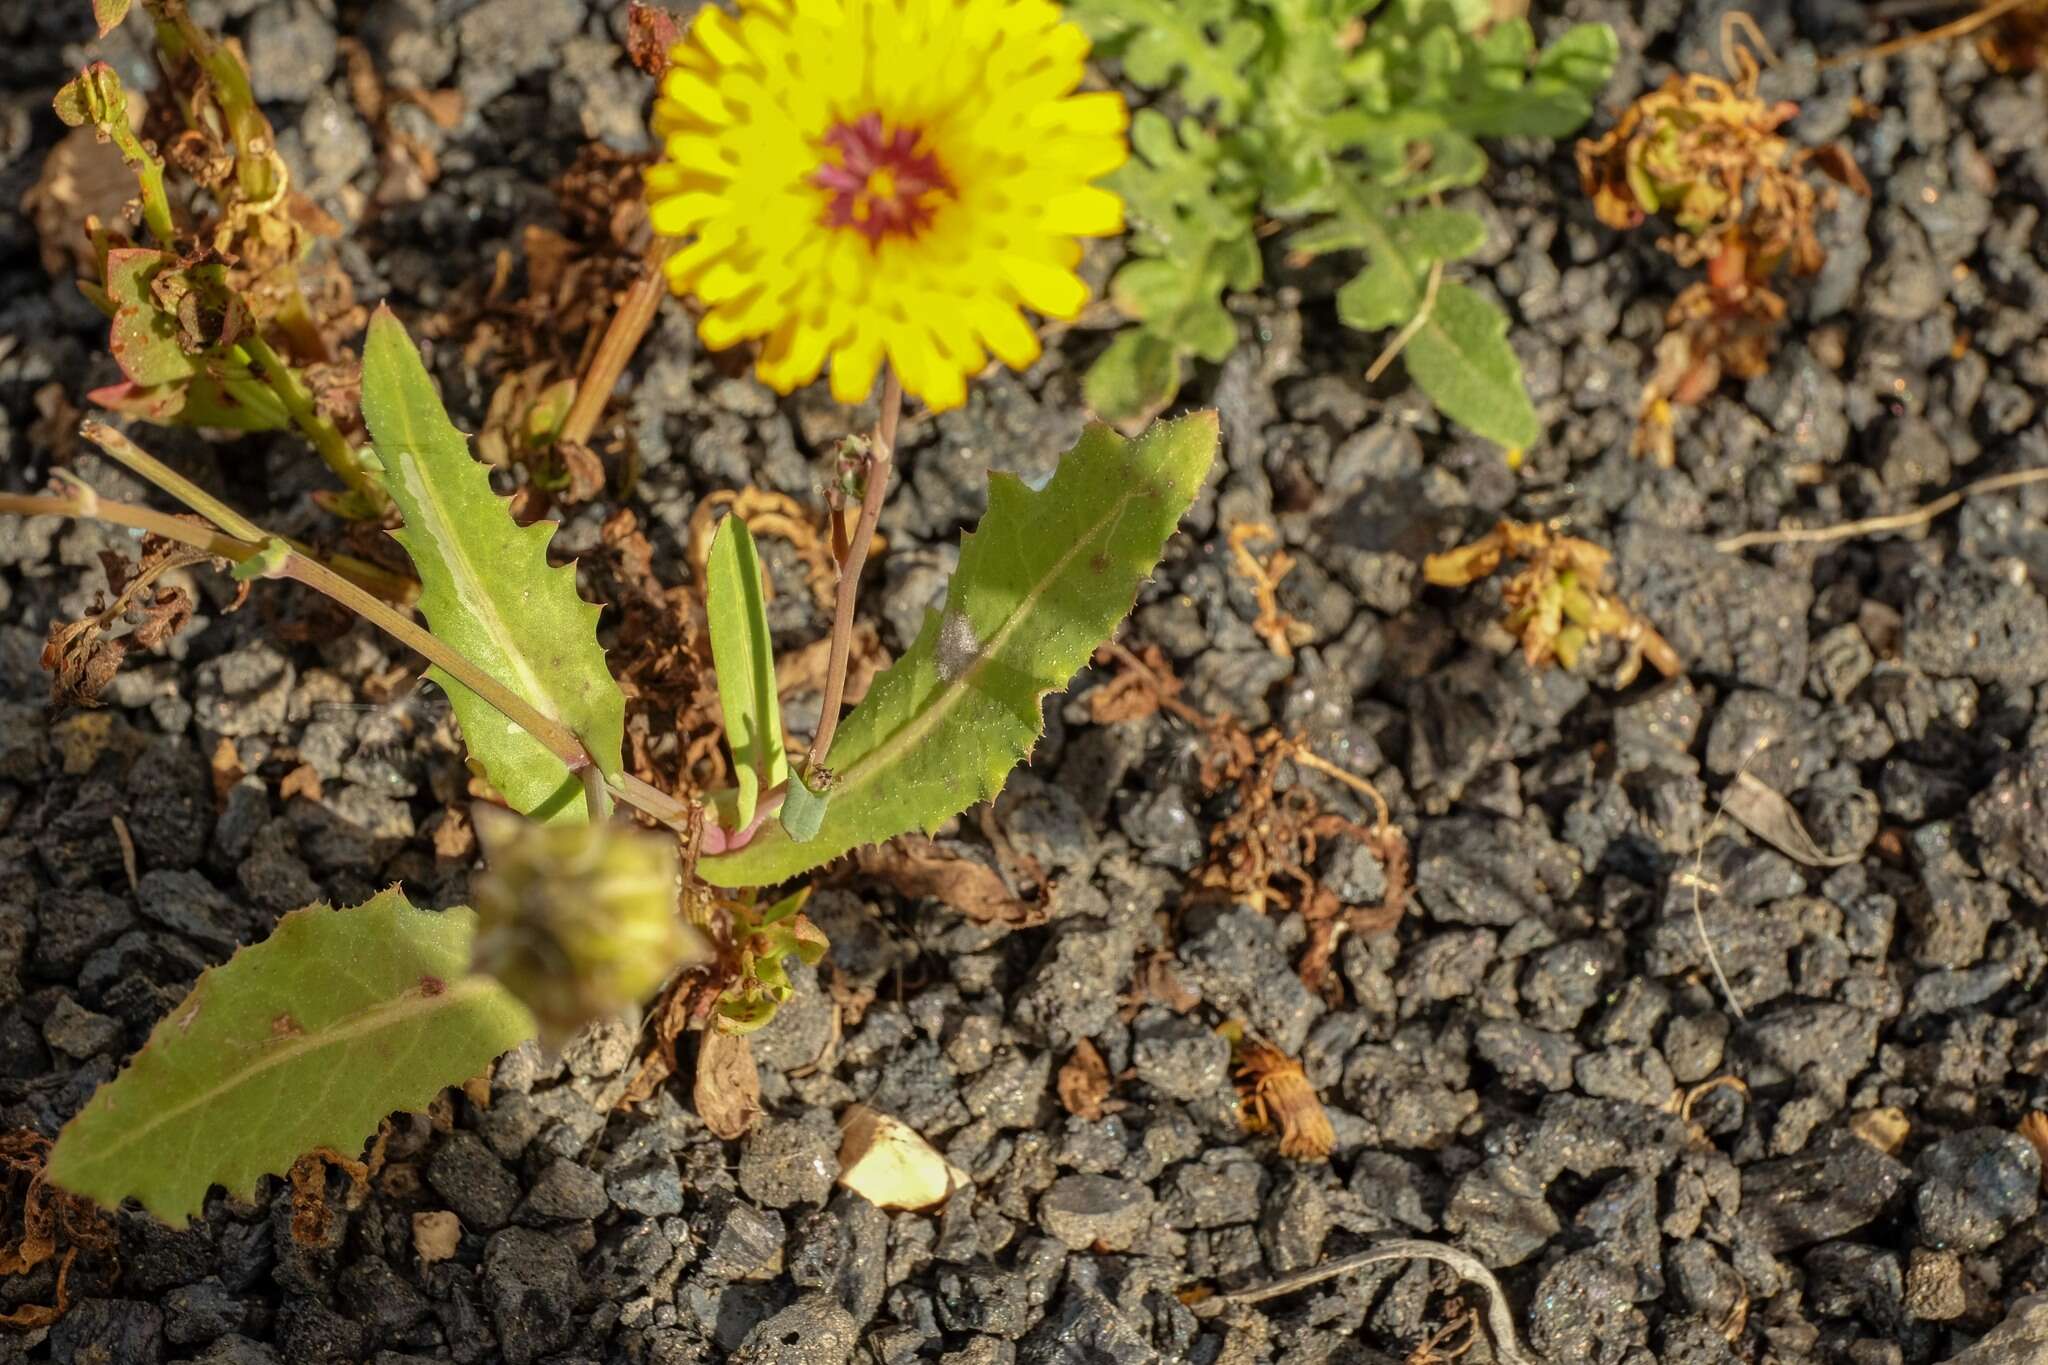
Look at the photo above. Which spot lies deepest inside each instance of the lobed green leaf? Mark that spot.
(487, 589)
(305, 1040)
(1043, 580)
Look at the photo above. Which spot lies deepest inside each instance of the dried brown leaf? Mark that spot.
(918, 868)
(1276, 1095)
(1084, 1082)
(728, 1089)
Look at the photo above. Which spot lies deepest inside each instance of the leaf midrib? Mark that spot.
(929, 717)
(361, 1024)
(482, 607)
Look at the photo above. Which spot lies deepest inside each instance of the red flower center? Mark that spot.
(881, 184)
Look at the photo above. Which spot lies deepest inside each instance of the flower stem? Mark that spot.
(387, 585)
(149, 177)
(881, 454)
(334, 448)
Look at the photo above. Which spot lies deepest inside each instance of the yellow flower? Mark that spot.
(857, 180)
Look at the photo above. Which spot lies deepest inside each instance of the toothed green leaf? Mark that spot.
(1042, 581)
(305, 1040)
(487, 589)
(745, 659)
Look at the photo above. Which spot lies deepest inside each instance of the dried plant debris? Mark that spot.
(1558, 603)
(1282, 633)
(1084, 1083)
(920, 867)
(42, 1222)
(1275, 1096)
(83, 656)
(1709, 156)
(2018, 42)
(662, 662)
(1265, 850)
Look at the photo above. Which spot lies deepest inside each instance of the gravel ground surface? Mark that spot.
(1521, 1068)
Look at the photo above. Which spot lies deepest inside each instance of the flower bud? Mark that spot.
(579, 920)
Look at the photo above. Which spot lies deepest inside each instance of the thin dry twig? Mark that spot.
(1699, 918)
(1872, 526)
(1956, 28)
(1500, 1322)
(1400, 339)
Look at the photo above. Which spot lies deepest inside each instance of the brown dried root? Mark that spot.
(1264, 852)
(1282, 633)
(1275, 1093)
(51, 1222)
(1708, 155)
(82, 657)
(1558, 603)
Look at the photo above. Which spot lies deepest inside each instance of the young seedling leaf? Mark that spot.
(1042, 581)
(487, 589)
(1458, 352)
(108, 14)
(305, 1040)
(1207, 41)
(745, 658)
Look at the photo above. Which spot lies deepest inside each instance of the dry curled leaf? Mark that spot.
(1771, 818)
(1276, 1095)
(1558, 602)
(728, 1089)
(1709, 156)
(83, 656)
(769, 513)
(1084, 1082)
(918, 867)
(2034, 1128)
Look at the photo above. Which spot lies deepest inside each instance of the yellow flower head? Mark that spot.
(855, 180)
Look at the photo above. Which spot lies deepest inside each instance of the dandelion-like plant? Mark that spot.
(860, 181)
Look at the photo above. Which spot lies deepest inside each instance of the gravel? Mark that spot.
(1695, 1100)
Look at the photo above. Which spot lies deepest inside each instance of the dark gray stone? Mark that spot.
(473, 1182)
(1975, 1187)
(1083, 1210)
(1838, 1184)
(532, 1285)
(815, 1330)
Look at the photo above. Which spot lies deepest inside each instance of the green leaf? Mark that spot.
(487, 589)
(145, 336)
(1042, 581)
(1459, 356)
(1134, 379)
(745, 659)
(1206, 41)
(305, 1040)
(108, 14)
